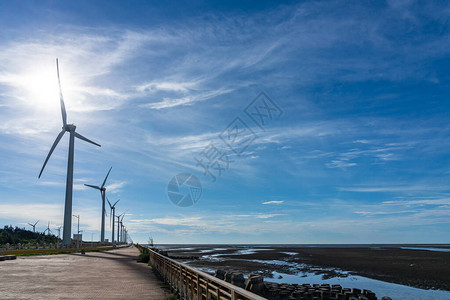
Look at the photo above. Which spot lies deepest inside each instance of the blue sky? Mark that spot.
(360, 153)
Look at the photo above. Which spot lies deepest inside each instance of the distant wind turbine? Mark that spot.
(121, 228)
(48, 229)
(112, 215)
(119, 222)
(102, 190)
(59, 235)
(69, 183)
(34, 225)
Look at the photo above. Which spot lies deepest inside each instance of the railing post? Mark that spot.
(199, 292)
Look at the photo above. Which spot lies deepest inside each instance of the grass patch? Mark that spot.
(144, 257)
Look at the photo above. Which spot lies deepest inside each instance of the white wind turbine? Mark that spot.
(102, 190)
(119, 223)
(112, 215)
(69, 182)
(48, 229)
(34, 225)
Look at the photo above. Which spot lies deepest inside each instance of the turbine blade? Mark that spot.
(61, 100)
(92, 186)
(85, 139)
(36, 222)
(104, 181)
(58, 138)
(108, 202)
(116, 203)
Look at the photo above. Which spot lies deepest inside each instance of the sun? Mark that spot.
(40, 86)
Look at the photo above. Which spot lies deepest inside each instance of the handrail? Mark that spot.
(193, 284)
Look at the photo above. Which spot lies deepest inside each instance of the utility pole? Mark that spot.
(78, 231)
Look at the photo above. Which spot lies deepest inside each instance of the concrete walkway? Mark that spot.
(97, 275)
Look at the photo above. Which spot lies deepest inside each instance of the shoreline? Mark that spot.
(415, 268)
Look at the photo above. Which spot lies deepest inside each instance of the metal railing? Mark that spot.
(193, 284)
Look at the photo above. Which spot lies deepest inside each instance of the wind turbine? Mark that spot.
(118, 223)
(113, 209)
(59, 235)
(102, 190)
(118, 228)
(121, 228)
(69, 182)
(48, 229)
(33, 225)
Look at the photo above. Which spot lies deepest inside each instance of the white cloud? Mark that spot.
(274, 202)
(186, 100)
(385, 187)
(116, 187)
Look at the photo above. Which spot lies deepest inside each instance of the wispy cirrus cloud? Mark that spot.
(405, 188)
(274, 202)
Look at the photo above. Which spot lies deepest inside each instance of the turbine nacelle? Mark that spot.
(69, 127)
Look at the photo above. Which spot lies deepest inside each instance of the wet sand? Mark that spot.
(417, 268)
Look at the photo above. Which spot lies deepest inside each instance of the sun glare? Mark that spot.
(41, 86)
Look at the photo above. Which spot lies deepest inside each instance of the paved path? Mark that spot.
(97, 275)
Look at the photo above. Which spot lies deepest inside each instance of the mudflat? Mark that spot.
(111, 274)
(417, 268)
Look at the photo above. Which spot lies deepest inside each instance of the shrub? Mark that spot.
(144, 256)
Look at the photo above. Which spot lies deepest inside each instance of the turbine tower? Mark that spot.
(118, 230)
(113, 210)
(102, 190)
(33, 225)
(69, 182)
(121, 228)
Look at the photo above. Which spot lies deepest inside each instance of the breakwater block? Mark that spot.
(282, 291)
(10, 257)
(220, 274)
(255, 283)
(237, 279)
